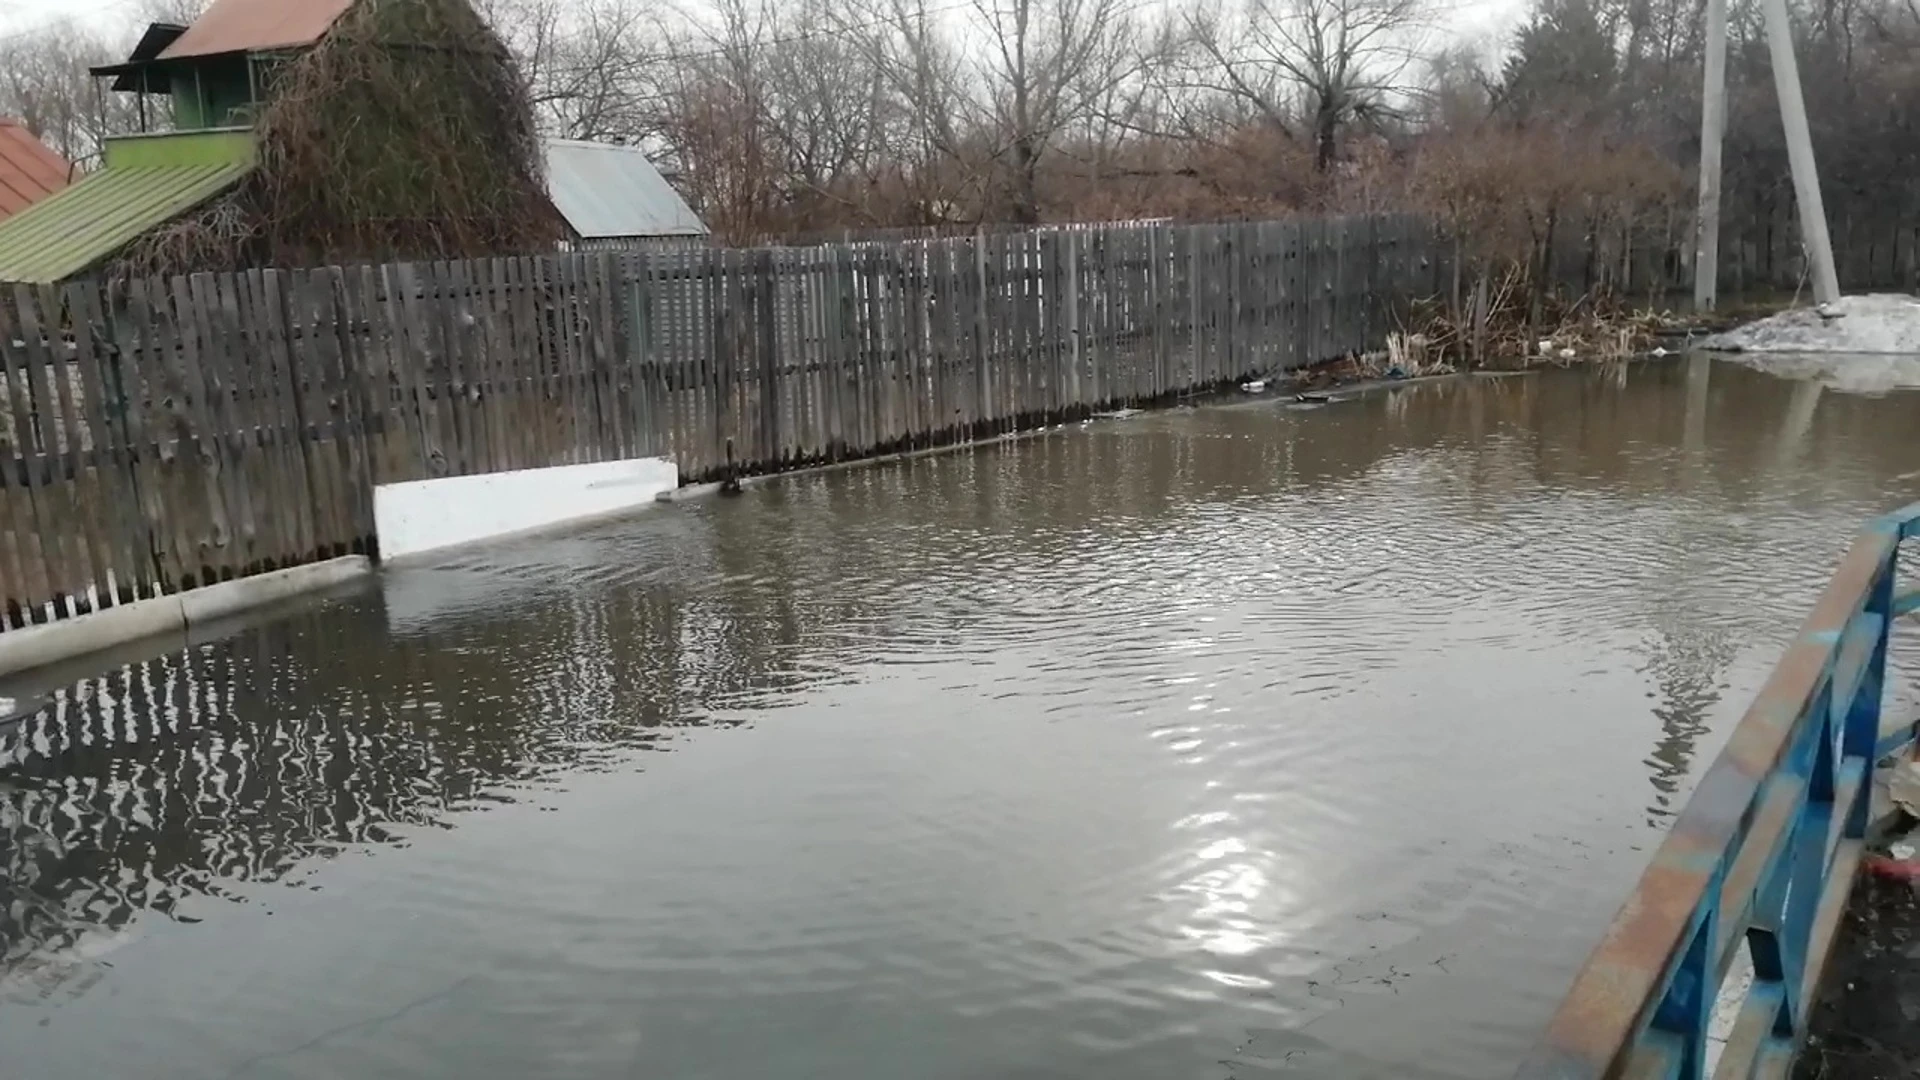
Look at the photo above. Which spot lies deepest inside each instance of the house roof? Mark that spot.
(607, 191)
(29, 171)
(156, 37)
(146, 182)
(256, 25)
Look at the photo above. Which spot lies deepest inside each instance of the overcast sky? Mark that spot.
(1480, 22)
(17, 16)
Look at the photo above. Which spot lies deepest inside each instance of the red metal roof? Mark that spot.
(251, 25)
(29, 171)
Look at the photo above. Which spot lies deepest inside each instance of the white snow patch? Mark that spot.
(1877, 324)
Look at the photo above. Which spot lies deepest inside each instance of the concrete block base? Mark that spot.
(38, 646)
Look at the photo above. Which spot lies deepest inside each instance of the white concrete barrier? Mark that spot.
(38, 646)
(428, 515)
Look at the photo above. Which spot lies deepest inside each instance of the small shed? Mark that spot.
(29, 171)
(612, 197)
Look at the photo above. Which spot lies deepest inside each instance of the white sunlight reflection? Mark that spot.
(1229, 898)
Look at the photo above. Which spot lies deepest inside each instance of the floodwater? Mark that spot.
(1234, 741)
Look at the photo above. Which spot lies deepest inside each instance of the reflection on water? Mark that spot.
(1225, 742)
(1875, 373)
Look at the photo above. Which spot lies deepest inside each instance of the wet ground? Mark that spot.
(1866, 1025)
(1227, 742)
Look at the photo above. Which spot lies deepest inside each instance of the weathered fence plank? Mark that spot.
(32, 509)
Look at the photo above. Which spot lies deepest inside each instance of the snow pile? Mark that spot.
(1877, 324)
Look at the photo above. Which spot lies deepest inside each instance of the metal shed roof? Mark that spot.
(29, 171)
(145, 182)
(255, 25)
(607, 191)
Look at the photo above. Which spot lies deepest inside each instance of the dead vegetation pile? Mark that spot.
(1508, 325)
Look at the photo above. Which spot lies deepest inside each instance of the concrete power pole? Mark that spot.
(1793, 119)
(1713, 127)
(1806, 182)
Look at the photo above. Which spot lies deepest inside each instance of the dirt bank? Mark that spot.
(1866, 1025)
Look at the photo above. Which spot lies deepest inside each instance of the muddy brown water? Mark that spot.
(1218, 742)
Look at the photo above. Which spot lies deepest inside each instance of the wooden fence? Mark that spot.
(156, 435)
(1874, 248)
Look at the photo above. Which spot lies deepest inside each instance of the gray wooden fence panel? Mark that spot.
(156, 435)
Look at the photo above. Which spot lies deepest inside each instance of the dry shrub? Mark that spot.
(1522, 204)
(1245, 173)
(1508, 194)
(406, 133)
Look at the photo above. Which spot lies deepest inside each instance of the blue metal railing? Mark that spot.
(1764, 851)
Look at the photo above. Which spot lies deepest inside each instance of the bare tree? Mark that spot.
(926, 109)
(1049, 65)
(824, 107)
(44, 82)
(1328, 62)
(712, 110)
(177, 12)
(590, 65)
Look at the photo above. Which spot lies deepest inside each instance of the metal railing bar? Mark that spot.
(1852, 786)
(1765, 842)
(1658, 1060)
(1893, 739)
(1776, 1060)
(1903, 523)
(1826, 924)
(1856, 651)
(1751, 1029)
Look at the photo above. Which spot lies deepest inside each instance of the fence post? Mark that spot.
(92, 307)
(983, 383)
(766, 343)
(1070, 277)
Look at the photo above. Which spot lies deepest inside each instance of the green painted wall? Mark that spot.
(211, 94)
(228, 147)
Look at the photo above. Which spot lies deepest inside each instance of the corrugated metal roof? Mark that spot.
(252, 25)
(29, 171)
(61, 236)
(607, 191)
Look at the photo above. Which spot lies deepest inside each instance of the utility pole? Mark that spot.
(1806, 182)
(1713, 126)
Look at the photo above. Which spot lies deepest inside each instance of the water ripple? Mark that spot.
(1221, 742)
